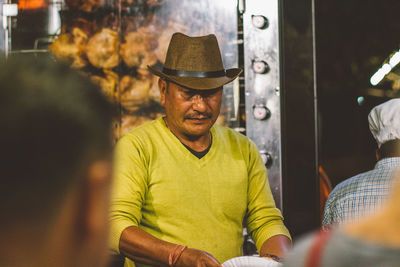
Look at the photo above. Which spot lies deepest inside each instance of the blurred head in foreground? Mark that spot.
(55, 141)
(383, 227)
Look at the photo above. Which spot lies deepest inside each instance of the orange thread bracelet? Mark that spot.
(179, 254)
(171, 256)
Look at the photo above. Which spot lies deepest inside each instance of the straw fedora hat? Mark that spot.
(195, 62)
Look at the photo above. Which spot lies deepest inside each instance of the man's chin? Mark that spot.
(199, 121)
(197, 131)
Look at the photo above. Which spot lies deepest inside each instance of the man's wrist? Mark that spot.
(175, 254)
(271, 256)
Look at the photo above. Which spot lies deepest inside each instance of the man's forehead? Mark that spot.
(184, 88)
(195, 91)
(198, 91)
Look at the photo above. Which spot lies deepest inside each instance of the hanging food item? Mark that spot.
(108, 84)
(129, 122)
(138, 49)
(113, 42)
(134, 92)
(146, 21)
(70, 48)
(102, 49)
(132, 49)
(154, 91)
(85, 5)
(154, 2)
(127, 4)
(88, 27)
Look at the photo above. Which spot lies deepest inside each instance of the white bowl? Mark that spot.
(250, 261)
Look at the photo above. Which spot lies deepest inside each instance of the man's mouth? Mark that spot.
(198, 118)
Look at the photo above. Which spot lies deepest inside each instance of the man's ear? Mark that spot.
(377, 154)
(162, 85)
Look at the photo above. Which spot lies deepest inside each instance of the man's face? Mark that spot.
(190, 113)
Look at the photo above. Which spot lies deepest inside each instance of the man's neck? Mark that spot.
(199, 144)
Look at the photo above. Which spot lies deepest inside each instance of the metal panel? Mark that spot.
(2, 30)
(262, 79)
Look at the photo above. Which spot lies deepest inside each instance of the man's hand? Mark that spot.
(196, 258)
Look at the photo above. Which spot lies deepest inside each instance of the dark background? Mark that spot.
(322, 121)
(353, 38)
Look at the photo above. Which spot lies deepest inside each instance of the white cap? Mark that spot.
(384, 121)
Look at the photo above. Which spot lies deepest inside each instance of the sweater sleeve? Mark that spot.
(129, 188)
(264, 220)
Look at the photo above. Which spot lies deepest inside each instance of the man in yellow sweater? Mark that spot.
(184, 186)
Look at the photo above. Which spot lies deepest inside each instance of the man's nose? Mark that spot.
(199, 103)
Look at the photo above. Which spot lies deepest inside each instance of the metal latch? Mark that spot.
(10, 10)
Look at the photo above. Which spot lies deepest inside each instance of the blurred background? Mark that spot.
(313, 69)
(353, 40)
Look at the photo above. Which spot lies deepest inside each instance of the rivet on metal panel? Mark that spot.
(277, 91)
(260, 66)
(266, 158)
(261, 112)
(259, 21)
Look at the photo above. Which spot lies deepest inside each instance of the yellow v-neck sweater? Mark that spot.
(160, 186)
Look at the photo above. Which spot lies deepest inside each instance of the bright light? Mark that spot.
(380, 74)
(386, 68)
(395, 59)
(377, 77)
(360, 100)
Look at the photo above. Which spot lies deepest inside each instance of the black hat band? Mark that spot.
(195, 74)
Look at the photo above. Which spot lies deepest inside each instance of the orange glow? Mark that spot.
(31, 4)
(325, 187)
